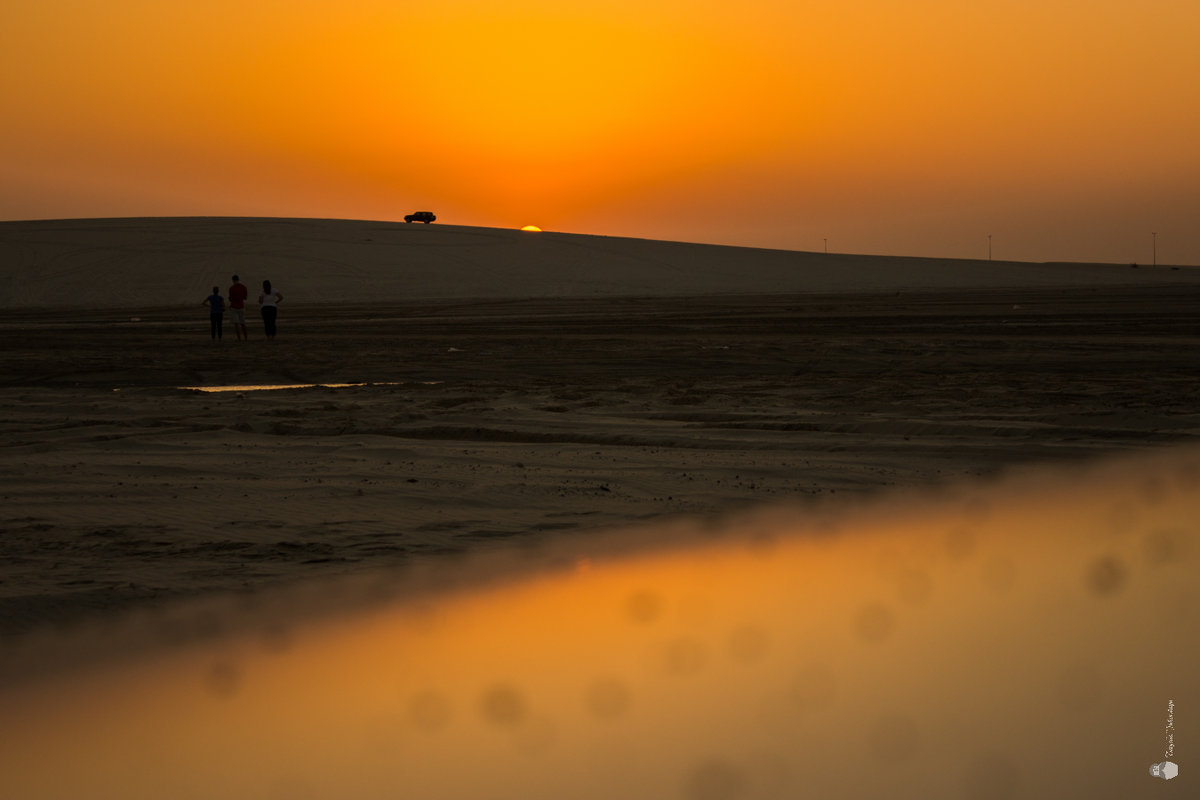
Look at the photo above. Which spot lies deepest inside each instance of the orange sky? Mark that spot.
(1065, 129)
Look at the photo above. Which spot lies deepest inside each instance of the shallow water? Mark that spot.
(271, 387)
(1031, 638)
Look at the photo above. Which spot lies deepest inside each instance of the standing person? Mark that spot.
(237, 308)
(216, 312)
(269, 299)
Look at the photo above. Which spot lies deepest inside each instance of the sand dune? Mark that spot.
(134, 263)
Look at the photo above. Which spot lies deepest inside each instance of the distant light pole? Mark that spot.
(989, 247)
(1154, 250)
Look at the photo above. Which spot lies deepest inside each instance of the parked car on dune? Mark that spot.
(421, 216)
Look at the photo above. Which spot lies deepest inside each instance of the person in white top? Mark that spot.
(269, 300)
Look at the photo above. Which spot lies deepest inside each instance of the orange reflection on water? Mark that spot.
(1012, 640)
(275, 386)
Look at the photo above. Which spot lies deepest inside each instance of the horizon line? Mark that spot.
(544, 231)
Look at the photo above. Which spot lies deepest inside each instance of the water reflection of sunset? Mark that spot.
(948, 647)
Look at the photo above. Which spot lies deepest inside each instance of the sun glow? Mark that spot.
(858, 119)
(532, 228)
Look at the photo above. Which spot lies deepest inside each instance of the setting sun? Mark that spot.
(532, 228)
(882, 128)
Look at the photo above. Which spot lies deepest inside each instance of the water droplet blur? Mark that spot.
(1106, 576)
(715, 780)
(1165, 546)
(503, 705)
(224, 679)
(644, 606)
(960, 543)
(874, 622)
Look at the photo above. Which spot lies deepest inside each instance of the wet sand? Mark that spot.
(492, 423)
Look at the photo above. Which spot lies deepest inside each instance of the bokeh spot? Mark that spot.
(1165, 546)
(224, 679)
(644, 606)
(874, 622)
(715, 780)
(1106, 576)
(960, 544)
(503, 705)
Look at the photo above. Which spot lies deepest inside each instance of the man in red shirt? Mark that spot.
(237, 308)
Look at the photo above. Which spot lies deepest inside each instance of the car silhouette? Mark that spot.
(421, 216)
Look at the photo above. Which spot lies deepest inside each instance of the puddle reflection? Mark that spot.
(278, 386)
(880, 661)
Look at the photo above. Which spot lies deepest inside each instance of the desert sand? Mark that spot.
(152, 263)
(524, 398)
(660, 380)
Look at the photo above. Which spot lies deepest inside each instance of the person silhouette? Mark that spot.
(269, 300)
(216, 312)
(237, 308)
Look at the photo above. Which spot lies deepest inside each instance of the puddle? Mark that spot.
(272, 387)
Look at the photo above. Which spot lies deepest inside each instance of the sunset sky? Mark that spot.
(1066, 129)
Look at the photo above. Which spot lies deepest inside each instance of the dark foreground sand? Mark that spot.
(492, 421)
(827, 527)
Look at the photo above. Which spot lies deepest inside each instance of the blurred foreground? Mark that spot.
(1028, 638)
